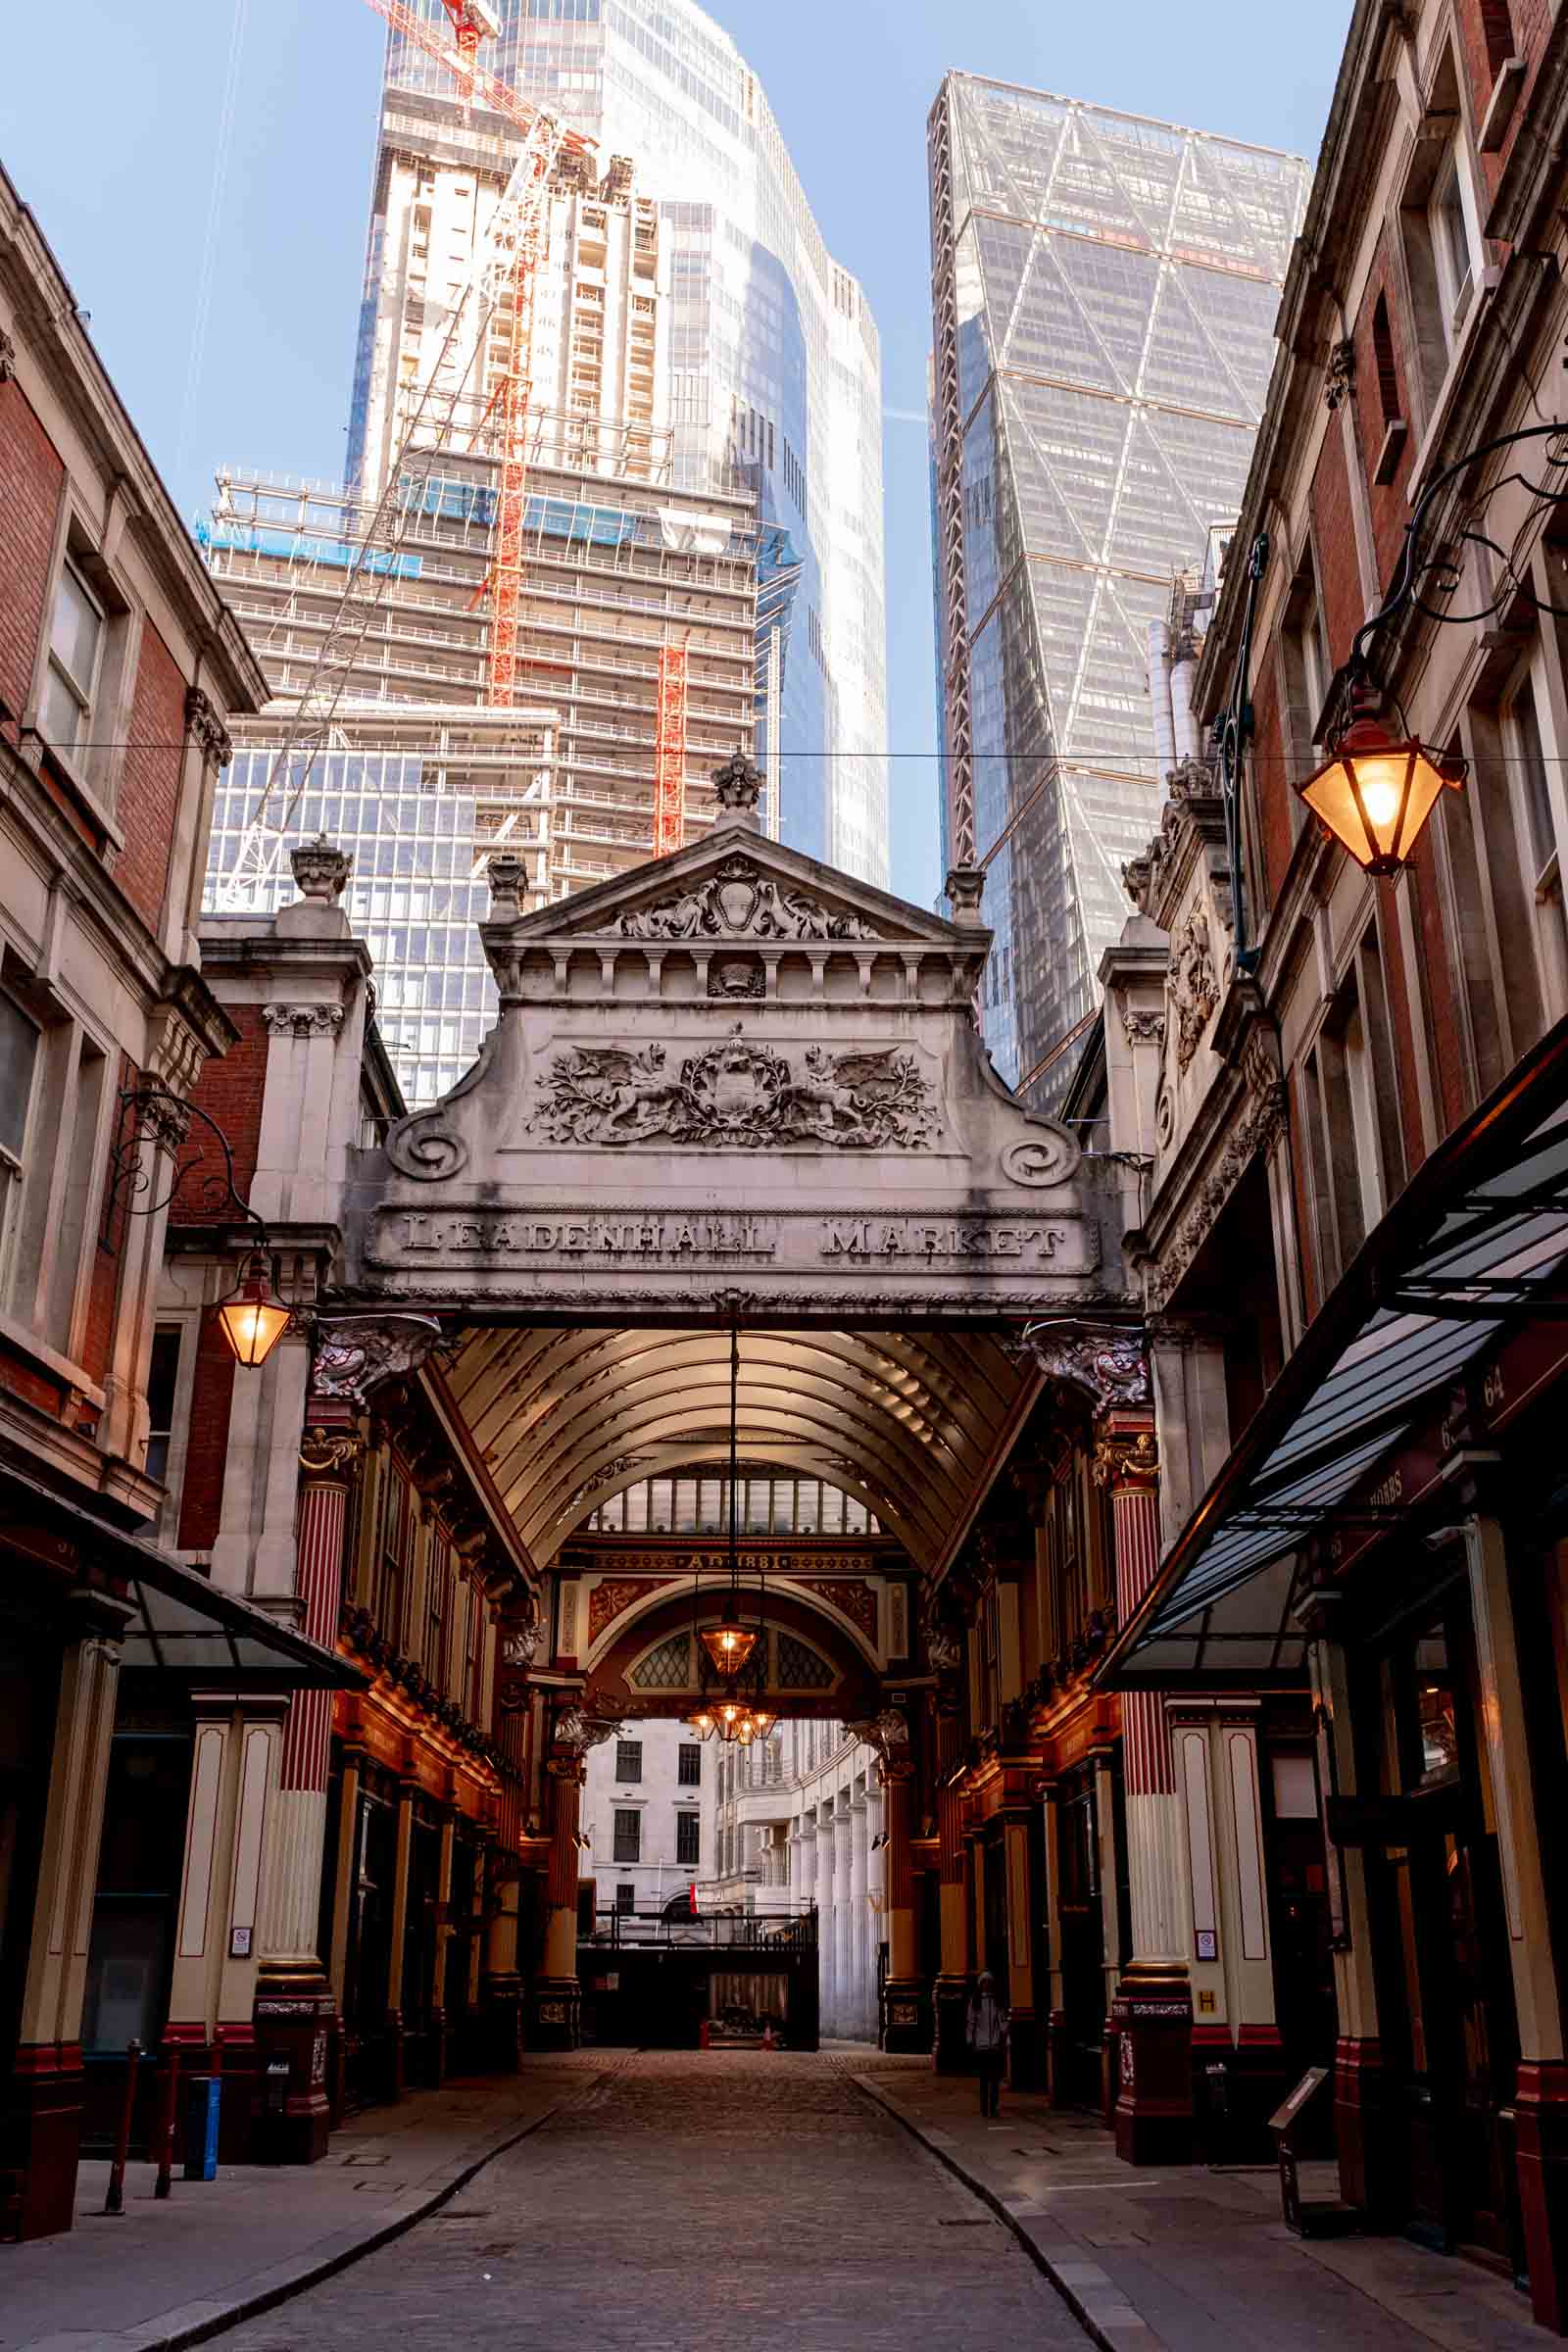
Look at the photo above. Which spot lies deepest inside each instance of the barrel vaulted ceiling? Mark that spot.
(915, 1425)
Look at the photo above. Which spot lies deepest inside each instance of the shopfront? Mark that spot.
(1392, 1534)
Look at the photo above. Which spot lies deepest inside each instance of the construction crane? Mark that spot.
(509, 257)
(670, 752)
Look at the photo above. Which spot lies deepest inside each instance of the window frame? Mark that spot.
(15, 1163)
(689, 1765)
(689, 1828)
(625, 1830)
(632, 1770)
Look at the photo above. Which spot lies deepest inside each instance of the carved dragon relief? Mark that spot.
(737, 1095)
(740, 901)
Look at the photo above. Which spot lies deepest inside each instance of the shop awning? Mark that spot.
(1470, 1257)
(180, 1624)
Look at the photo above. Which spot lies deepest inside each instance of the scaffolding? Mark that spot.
(670, 752)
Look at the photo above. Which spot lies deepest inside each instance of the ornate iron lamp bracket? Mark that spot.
(150, 1119)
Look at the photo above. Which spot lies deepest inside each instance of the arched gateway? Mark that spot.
(730, 1091)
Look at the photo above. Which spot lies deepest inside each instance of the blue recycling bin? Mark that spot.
(202, 2094)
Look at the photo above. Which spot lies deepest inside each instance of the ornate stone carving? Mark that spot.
(355, 1353)
(8, 358)
(1255, 1132)
(203, 723)
(1047, 1157)
(1142, 1028)
(943, 1643)
(1193, 984)
(1106, 1365)
(604, 1476)
(303, 1020)
(737, 1095)
(1192, 800)
(740, 901)
(1339, 374)
(585, 1724)
(737, 976)
(738, 786)
(966, 888)
(506, 874)
(321, 869)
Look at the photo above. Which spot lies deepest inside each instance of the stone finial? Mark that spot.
(738, 787)
(965, 887)
(506, 874)
(320, 870)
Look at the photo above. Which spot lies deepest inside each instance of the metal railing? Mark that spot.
(705, 1930)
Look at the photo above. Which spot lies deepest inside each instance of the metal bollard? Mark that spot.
(166, 2126)
(115, 2199)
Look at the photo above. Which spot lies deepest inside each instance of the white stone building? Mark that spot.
(795, 1820)
(642, 1815)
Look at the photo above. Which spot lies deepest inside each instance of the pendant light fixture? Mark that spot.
(729, 1643)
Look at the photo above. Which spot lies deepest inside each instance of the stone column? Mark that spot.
(212, 1994)
(860, 2025)
(557, 1997)
(953, 1984)
(345, 1871)
(827, 1918)
(1540, 2100)
(844, 2003)
(294, 2005)
(1112, 1925)
(1152, 2011)
(876, 1905)
(907, 2011)
(41, 2107)
(502, 1980)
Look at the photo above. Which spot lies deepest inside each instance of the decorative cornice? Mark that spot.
(1126, 1458)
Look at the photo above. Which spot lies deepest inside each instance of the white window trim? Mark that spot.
(1543, 882)
(83, 695)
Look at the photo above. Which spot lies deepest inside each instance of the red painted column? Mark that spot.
(1151, 2015)
(296, 2014)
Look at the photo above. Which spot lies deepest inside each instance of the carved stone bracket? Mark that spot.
(203, 723)
(888, 1732)
(355, 1353)
(1262, 1120)
(1103, 1363)
(1339, 374)
(585, 1725)
(1193, 982)
(8, 358)
(303, 1020)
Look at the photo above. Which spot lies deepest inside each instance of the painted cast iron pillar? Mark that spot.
(953, 1984)
(295, 2012)
(556, 1997)
(905, 2012)
(1151, 2015)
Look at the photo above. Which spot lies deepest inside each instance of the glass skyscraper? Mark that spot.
(773, 357)
(1105, 290)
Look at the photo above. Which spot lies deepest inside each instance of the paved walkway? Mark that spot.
(173, 2272)
(1190, 2259)
(729, 2201)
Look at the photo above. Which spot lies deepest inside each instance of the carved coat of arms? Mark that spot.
(740, 901)
(737, 1095)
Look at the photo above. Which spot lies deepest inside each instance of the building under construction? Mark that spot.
(634, 665)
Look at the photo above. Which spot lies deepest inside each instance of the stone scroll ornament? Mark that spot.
(355, 1353)
(1105, 1364)
(740, 901)
(737, 1095)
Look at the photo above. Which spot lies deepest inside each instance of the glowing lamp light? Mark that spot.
(252, 1318)
(1376, 794)
(728, 1646)
(704, 1723)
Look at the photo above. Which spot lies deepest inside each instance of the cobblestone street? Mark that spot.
(739, 2200)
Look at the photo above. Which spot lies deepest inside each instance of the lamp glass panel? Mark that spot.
(252, 1323)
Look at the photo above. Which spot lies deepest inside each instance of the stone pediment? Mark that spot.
(734, 1074)
(734, 888)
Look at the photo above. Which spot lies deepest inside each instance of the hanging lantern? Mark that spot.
(704, 1723)
(1376, 792)
(252, 1318)
(729, 1643)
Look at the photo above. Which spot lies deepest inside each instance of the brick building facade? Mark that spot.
(1355, 1216)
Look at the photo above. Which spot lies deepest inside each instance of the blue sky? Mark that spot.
(110, 126)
